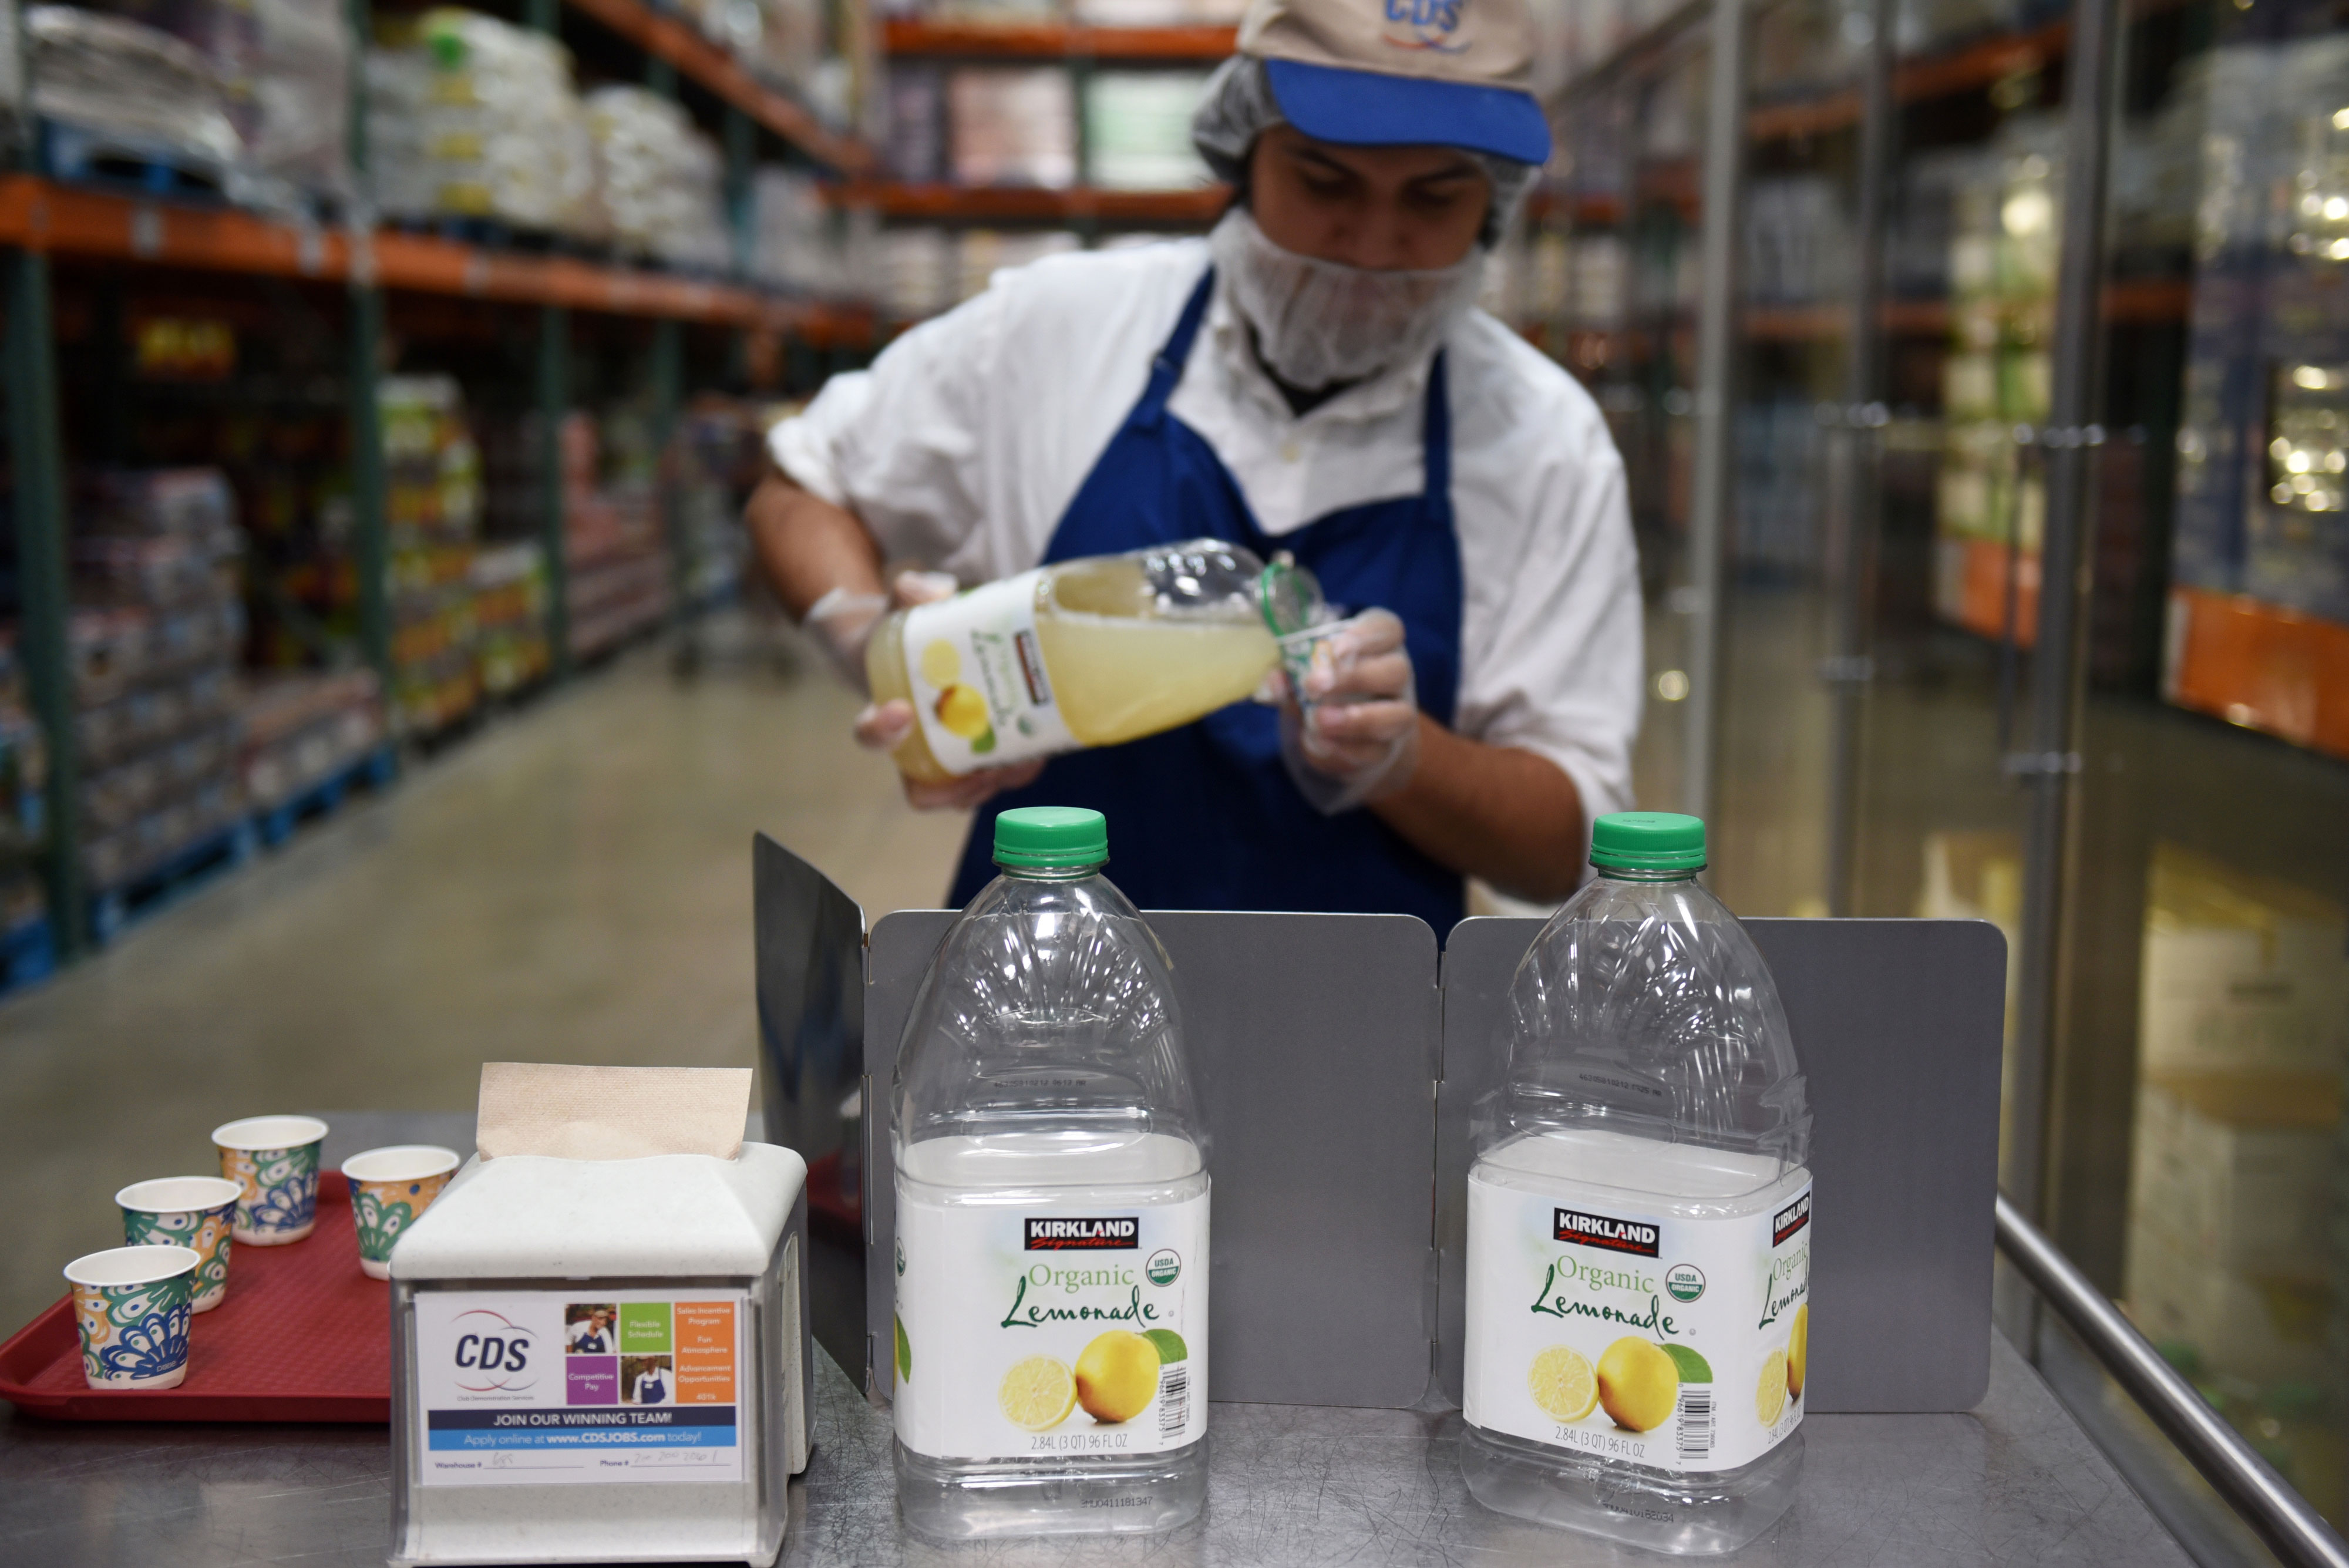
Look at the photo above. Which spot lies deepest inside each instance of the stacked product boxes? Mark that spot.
(250, 97)
(2258, 627)
(616, 563)
(2243, 1039)
(472, 116)
(509, 594)
(23, 774)
(432, 509)
(304, 729)
(157, 634)
(1991, 501)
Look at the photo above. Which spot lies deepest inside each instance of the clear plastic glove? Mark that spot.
(883, 727)
(1350, 732)
(841, 622)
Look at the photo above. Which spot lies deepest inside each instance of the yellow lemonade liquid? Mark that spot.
(1119, 669)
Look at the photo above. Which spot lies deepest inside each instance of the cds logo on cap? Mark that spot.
(1424, 24)
(1387, 73)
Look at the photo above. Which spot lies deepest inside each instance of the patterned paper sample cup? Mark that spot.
(275, 1160)
(390, 1188)
(196, 1211)
(131, 1306)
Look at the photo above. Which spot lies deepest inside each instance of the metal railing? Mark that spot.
(2294, 1532)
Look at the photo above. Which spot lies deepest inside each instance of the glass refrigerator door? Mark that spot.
(2195, 1132)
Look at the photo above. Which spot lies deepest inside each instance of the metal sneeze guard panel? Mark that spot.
(1340, 1080)
(1896, 1025)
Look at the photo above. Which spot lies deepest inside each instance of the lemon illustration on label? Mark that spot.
(963, 711)
(1637, 1384)
(1116, 1376)
(941, 665)
(1770, 1398)
(1171, 1348)
(1563, 1382)
(1037, 1394)
(1798, 1351)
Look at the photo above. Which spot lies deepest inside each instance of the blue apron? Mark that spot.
(1205, 817)
(653, 1391)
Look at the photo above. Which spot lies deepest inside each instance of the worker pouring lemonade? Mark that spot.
(1307, 398)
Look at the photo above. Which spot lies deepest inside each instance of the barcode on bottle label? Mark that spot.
(1696, 1421)
(1174, 1401)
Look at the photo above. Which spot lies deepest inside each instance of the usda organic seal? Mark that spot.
(1684, 1281)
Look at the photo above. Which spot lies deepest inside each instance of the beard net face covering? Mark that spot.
(1319, 323)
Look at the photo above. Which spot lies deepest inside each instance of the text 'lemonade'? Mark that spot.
(1091, 652)
(1639, 1218)
(1050, 1357)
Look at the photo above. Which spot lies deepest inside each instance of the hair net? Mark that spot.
(1238, 107)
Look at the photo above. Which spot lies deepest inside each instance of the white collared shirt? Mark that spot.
(963, 444)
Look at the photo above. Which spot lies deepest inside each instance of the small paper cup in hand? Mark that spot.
(186, 1212)
(275, 1160)
(131, 1306)
(390, 1188)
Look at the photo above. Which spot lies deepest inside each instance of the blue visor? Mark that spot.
(1370, 108)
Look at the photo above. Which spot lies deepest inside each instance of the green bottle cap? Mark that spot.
(1648, 841)
(1049, 837)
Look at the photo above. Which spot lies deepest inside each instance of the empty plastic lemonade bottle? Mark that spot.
(1639, 1219)
(1052, 1335)
(1084, 653)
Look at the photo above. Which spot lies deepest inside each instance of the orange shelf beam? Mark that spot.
(2260, 666)
(666, 38)
(1056, 40)
(61, 220)
(1915, 81)
(1019, 204)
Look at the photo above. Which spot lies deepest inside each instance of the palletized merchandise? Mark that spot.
(918, 271)
(1138, 130)
(136, 88)
(2267, 380)
(24, 778)
(1012, 126)
(302, 95)
(154, 647)
(983, 253)
(299, 730)
(660, 178)
(796, 242)
(916, 147)
(475, 117)
(1798, 243)
(2230, 1211)
(508, 586)
(432, 465)
(2241, 974)
(1156, 13)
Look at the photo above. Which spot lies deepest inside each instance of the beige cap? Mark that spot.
(1466, 69)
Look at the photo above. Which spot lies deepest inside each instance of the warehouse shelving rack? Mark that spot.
(41, 219)
(1081, 48)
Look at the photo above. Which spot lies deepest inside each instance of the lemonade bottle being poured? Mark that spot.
(1051, 1183)
(1639, 1219)
(1084, 653)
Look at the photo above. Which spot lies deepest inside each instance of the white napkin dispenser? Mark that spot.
(602, 1361)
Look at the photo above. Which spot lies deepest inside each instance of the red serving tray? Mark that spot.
(303, 1337)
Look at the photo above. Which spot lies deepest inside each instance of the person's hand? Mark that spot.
(883, 726)
(1351, 733)
(841, 622)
